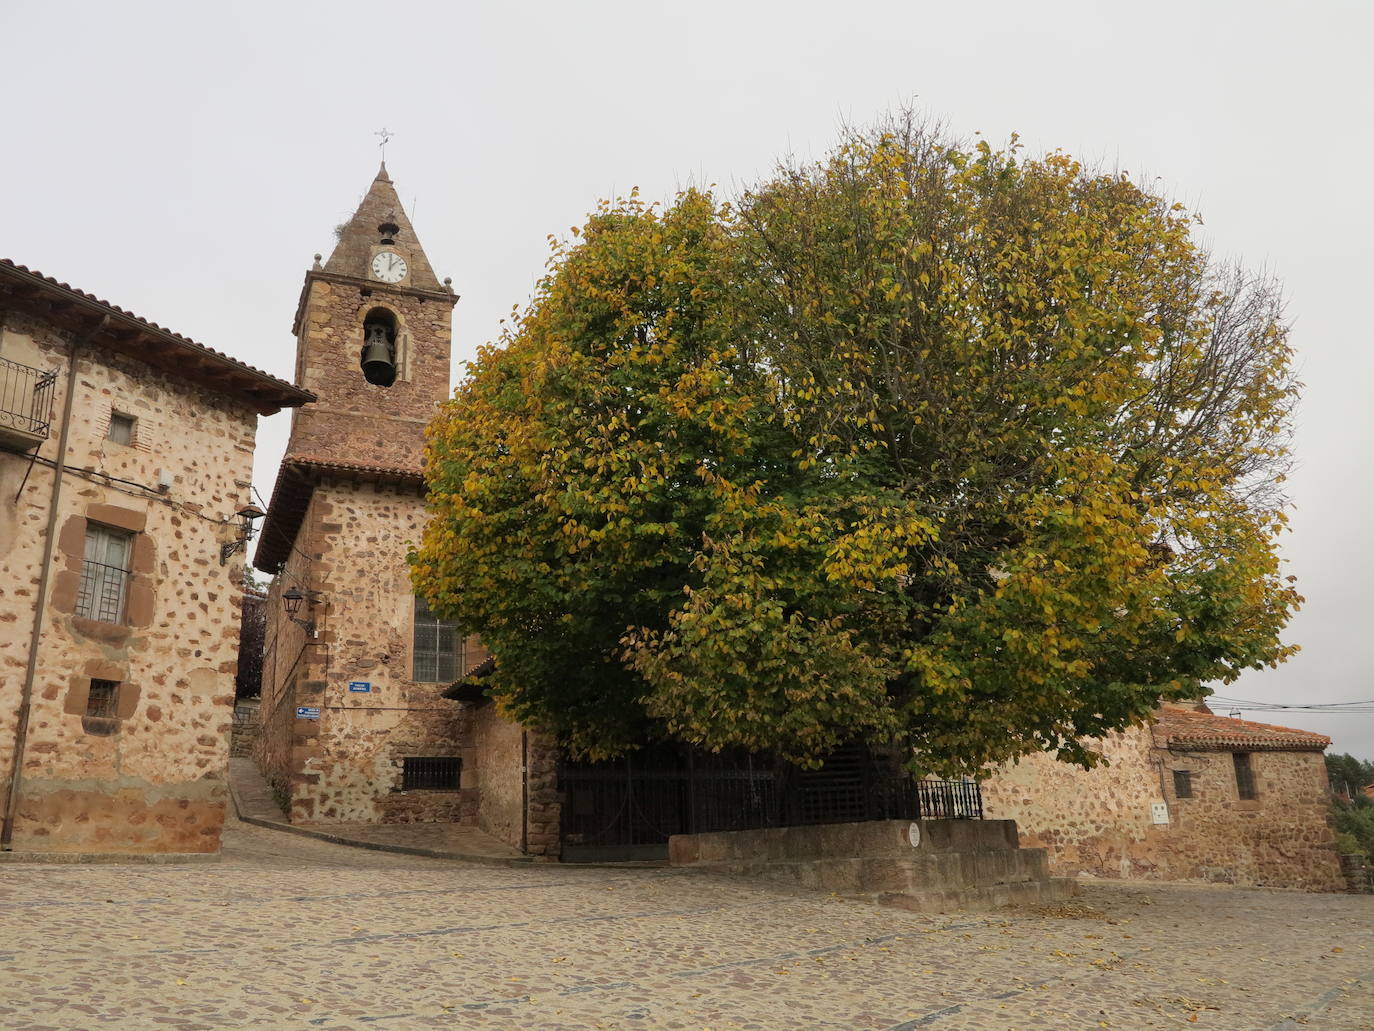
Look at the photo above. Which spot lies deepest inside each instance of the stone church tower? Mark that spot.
(354, 724)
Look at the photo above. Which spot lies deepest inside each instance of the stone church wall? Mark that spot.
(347, 765)
(1099, 822)
(149, 777)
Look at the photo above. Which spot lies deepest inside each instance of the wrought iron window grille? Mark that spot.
(431, 773)
(102, 701)
(104, 574)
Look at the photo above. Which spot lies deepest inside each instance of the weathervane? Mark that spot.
(386, 135)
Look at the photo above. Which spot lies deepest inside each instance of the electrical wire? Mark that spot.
(1249, 705)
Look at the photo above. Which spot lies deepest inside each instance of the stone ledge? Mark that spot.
(925, 865)
(107, 858)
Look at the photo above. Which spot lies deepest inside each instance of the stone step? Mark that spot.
(915, 873)
(1024, 893)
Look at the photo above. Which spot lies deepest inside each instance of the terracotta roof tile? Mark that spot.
(358, 467)
(1184, 728)
(264, 386)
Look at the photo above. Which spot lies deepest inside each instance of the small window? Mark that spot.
(121, 429)
(431, 773)
(103, 699)
(1183, 784)
(438, 647)
(104, 574)
(1245, 776)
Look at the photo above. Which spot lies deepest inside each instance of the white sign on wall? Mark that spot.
(1159, 812)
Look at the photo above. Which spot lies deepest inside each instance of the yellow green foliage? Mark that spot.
(920, 443)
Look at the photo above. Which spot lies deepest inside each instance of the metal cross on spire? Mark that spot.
(386, 135)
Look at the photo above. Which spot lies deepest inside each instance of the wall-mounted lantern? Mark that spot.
(291, 599)
(247, 516)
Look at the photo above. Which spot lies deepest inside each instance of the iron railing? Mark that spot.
(26, 399)
(629, 808)
(949, 799)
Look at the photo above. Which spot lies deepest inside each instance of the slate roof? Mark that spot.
(1186, 730)
(126, 333)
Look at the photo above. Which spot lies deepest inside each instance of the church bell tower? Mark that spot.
(373, 338)
(353, 661)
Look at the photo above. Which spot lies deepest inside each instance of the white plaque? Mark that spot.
(913, 833)
(1159, 812)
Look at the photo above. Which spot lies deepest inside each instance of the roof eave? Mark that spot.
(128, 334)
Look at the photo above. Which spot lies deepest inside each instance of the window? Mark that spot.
(1245, 776)
(121, 429)
(438, 647)
(431, 773)
(104, 574)
(1183, 784)
(102, 699)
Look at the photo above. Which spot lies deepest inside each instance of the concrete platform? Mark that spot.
(928, 866)
(254, 803)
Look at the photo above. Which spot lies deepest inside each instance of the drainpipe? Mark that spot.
(21, 730)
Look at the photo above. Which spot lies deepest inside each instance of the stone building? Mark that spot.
(1194, 796)
(354, 724)
(125, 456)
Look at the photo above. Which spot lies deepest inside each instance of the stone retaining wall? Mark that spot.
(925, 865)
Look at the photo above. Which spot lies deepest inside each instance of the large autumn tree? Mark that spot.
(923, 444)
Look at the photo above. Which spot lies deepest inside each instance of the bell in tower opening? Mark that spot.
(379, 348)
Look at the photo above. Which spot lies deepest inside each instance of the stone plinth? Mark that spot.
(925, 865)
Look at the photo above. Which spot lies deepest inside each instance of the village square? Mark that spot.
(890, 586)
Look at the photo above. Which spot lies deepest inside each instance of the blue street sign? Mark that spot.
(307, 712)
(360, 686)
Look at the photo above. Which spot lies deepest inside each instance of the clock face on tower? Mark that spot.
(389, 267)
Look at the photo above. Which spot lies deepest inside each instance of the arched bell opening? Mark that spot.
(379, 348)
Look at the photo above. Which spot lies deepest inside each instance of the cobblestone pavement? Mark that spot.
(289, 932)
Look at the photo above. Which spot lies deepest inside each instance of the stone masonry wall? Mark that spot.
(493, 762)
(347, 765)
(150, 778)
(543, 834)
(1099, 822)
(1094, 821)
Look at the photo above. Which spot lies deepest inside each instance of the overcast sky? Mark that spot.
(186, 160)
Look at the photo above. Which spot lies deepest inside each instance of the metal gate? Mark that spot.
(628, 808)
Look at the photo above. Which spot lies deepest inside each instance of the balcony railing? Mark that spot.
(25, 405)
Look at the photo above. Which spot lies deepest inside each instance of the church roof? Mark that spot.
(363, 232)
(125, 333)
(1186, 730)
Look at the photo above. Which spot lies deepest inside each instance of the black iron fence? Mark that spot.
(628, 809)
(25, 398)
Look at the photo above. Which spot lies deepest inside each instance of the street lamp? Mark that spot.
(247, 516)
(291, 599)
